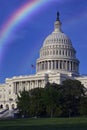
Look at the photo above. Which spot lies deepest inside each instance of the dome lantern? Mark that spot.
(57, 24)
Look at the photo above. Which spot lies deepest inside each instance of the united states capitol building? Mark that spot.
(57, 62)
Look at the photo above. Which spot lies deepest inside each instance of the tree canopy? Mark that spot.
(68, 99)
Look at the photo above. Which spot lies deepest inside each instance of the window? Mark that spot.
(60, 52)
(7, 106)
(57, 52)
(13, 106)
(66, 52)
(1, 106)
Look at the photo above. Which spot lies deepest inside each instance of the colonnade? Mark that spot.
(57, 52)
(27, 85)
(57, 65)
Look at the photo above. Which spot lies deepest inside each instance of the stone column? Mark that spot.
(59, 64)
(43, 65)
(69, 65)
(34, 84)
(66, 65)
(14, 87)
(20, 86)
(38, 66)
(75, 66)
(48, 65)
(62, 64)
(51, 65)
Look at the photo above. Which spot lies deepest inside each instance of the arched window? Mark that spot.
(13, 106)
(7, 106)
(1, 106)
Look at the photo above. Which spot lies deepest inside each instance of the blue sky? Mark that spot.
(26, 41)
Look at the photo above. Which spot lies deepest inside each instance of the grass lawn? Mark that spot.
(44, 124)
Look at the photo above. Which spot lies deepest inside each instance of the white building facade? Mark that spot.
(56, 63)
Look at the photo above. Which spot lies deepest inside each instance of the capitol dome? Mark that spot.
(57, 38)
(57, 54)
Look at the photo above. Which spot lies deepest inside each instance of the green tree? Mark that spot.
(68, 99)
(37, 107)
(72, 91)
(51, 99)
(83, 106)
(23, 102)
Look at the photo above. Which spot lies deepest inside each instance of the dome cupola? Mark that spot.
(57, 54)
(57, 36)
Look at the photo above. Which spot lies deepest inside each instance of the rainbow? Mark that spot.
(17, 18)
